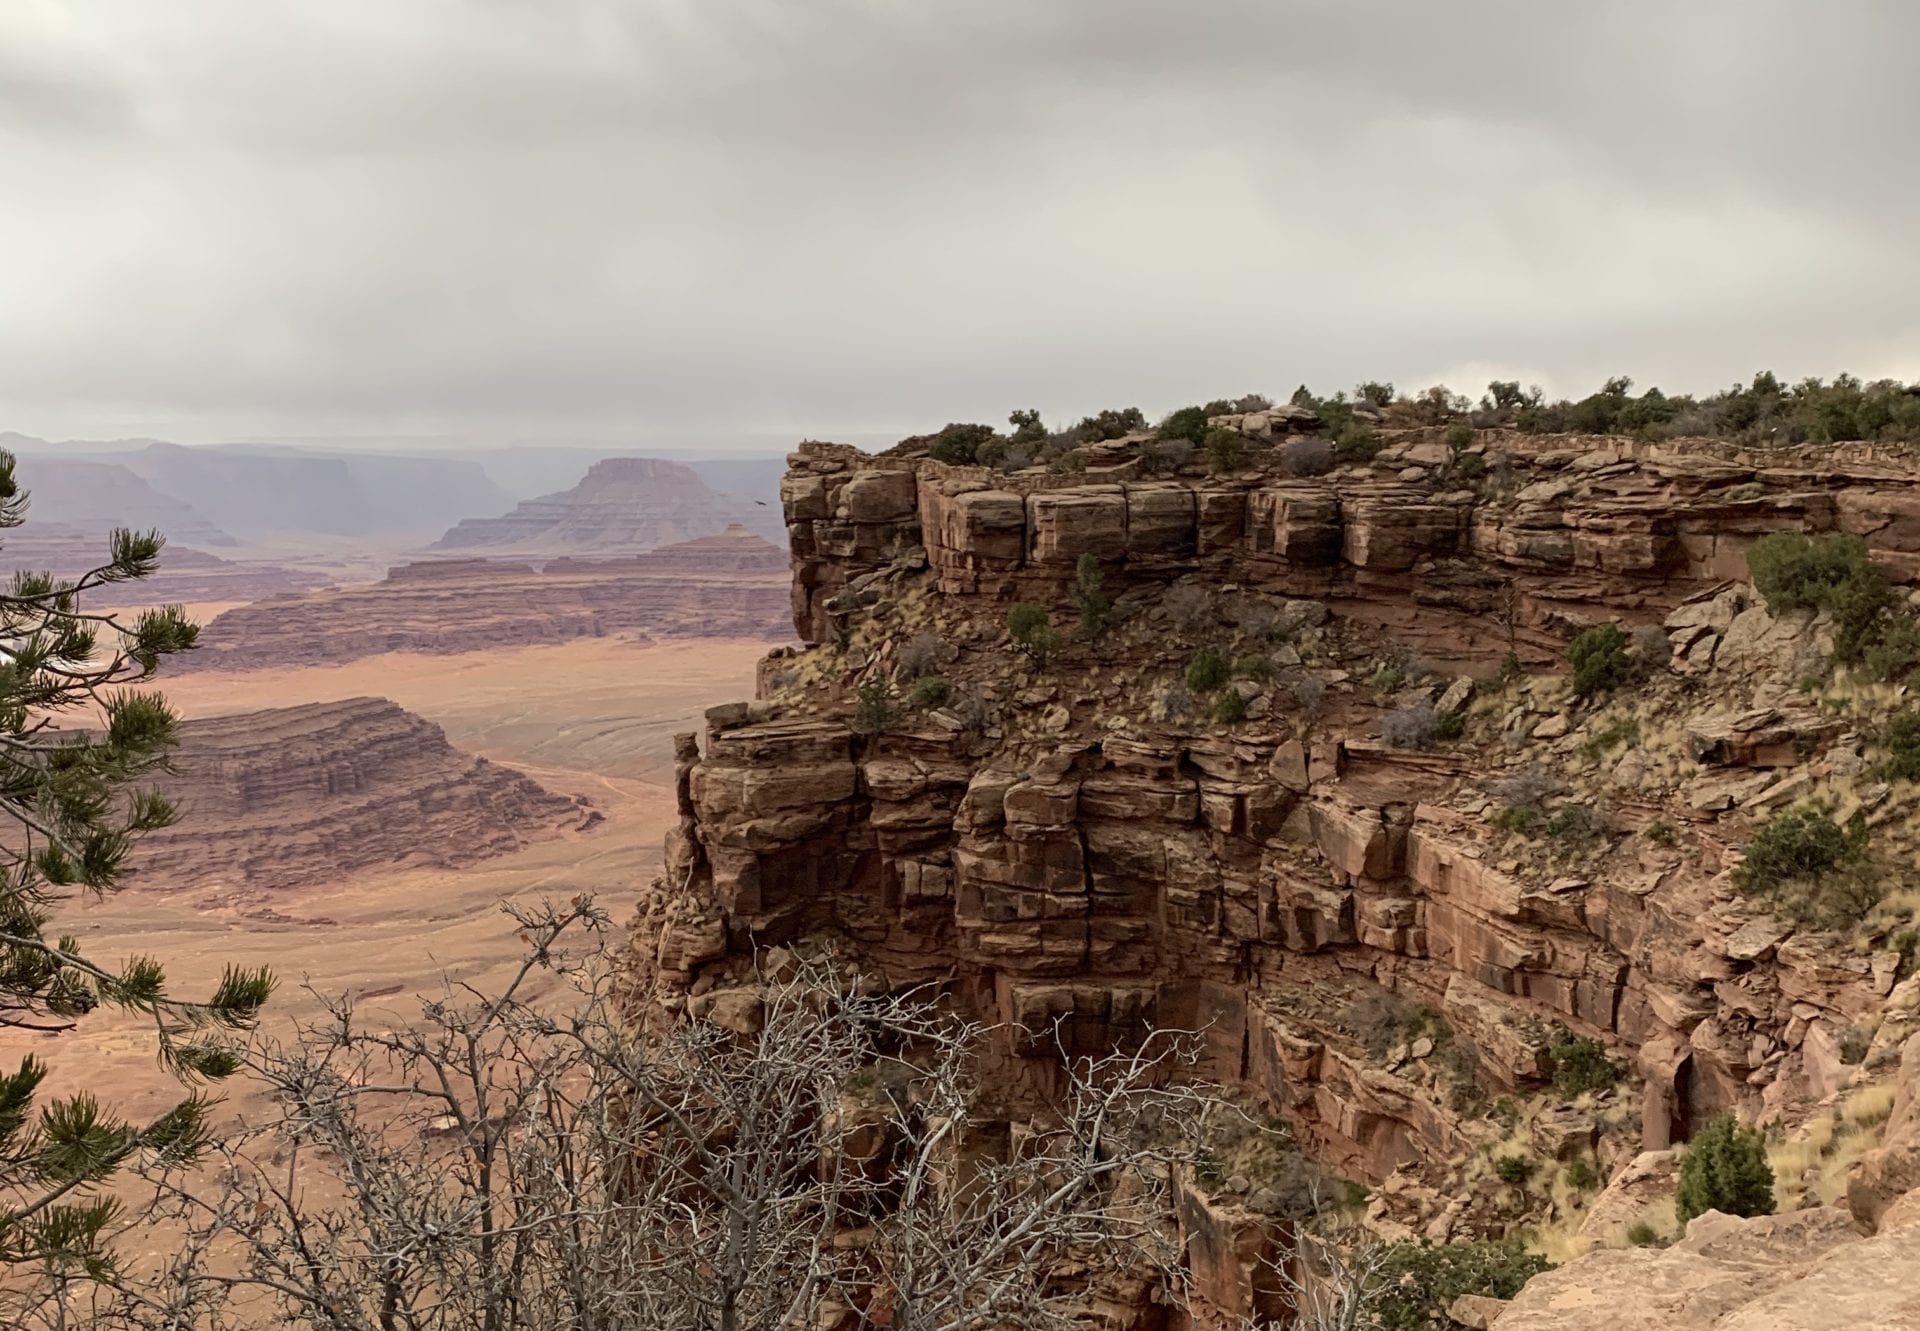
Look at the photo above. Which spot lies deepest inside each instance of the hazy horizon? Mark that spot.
(649, 221)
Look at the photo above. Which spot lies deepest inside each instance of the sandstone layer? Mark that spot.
(1072, 848)
(621, 506)
(304, 795)
(729, 585)
(185, 574)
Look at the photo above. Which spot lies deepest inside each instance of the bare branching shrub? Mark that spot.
(970, 707)
(1176, 702)
(1310, 696)
(923, 654)
(1165, 457)
(1531, 786)
(1306, 457)
(1652, 647)
(1414, 727)
(1191, 607)
(524, 1161)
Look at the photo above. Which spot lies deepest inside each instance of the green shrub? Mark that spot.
(1622, 730)
(1207, 670)
(1579, 1066)
(1355, 445)
(1189, 423)
(1470, 467)
(1419, 1281)
(1031, 631)
(1375, 394)
(959, 445)
(1661, 833)
(931, 691)
(1519, 819)
(1903, 749)
(1894, 653)
(1225, 452)
(1449, 726)
(1514, 1169)
(1112, 423)
(873, 709)
(1829, 572)
(1230, 708)
(1642, 1235)
(1028, 431)
(1575, 823)
(1854, 1043)
(1600, 660)
(1810, 868)
(1906, 942)
(1725, 1170)
(1797, 572)
(1459, 437)
(1581, 1175)
(1096, 611)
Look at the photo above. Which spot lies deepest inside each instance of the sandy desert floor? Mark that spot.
(593, 717)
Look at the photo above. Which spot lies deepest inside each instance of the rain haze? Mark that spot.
(714, 221)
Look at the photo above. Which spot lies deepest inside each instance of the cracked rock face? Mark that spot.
(1078, 865)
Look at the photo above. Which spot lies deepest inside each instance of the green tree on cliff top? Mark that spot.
(76, 737)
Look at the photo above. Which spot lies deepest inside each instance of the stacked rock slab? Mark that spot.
(1099, 884)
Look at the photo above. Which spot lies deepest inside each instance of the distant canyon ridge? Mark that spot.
(248, 522)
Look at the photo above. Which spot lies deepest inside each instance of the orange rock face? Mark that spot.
(299, 795)
(1096, 872)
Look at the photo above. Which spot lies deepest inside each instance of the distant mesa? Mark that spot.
(735, 550)
(729, 585)
(213, 494)
(93, 498)
(298, 796)
(621, 506)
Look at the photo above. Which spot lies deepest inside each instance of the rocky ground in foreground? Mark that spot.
(1316, 780)
(305, 795)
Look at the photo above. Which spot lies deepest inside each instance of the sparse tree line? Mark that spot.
(1766, 411)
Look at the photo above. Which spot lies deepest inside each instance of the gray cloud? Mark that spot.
(707, 218)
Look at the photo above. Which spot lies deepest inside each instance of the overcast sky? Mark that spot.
(713, 220)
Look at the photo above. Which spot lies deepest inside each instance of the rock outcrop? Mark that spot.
(729, 585)
(1082, 849)
(621, 506)
(299, 796)
(1825, 1268)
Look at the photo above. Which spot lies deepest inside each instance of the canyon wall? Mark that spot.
(1080, 859)
(299, 796)
(731, 584)
(621, 506)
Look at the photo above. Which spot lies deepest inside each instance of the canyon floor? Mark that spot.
(593, 717)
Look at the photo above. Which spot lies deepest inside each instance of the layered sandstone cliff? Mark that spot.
(299, 796)
(729, 585)
(621, 506)
(1079, 847)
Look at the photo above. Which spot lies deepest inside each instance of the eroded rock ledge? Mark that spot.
(1085, 861)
